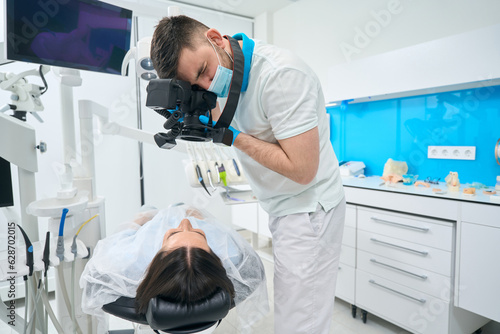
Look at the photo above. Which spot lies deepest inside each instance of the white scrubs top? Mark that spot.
(282, 98)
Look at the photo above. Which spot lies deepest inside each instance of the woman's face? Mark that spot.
(185, 236)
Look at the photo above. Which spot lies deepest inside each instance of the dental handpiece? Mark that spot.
(60, 238)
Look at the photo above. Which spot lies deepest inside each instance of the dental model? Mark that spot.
(489, 192)
(470, 191)
(453, 182)
(392, 178)
(422, 183)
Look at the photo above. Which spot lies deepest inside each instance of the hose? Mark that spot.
(73, 306)
(25, 306)
(20, 322)
(65, 295)
(52, 316)
(36, 298)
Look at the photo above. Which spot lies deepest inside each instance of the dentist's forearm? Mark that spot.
(296, 158)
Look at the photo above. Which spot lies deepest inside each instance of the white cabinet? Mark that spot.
(263, 225)
(462, 61)
(245, 216)
(404, 269)
(251, 217)
(346, 276)
(401, 267)
(478, 281)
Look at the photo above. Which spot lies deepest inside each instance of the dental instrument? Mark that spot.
(33, 294)
(46, 262)
(74, 251)
(217, 172)
(73, 245)
(227, 157)
(200, 179)
(29, 251)
(29, 263)
(60, 238)
(223, 174)
(216, 165)
(201, 159)
(236, 167)
(209, 172)
(197, 168)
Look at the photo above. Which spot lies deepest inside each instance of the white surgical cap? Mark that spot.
(119, 262)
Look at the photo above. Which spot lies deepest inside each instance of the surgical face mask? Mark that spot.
(222, 79)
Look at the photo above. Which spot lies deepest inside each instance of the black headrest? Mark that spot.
(184, 318)
(124, 307)
(172, 317)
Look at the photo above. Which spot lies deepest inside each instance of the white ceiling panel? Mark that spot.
(247, 8)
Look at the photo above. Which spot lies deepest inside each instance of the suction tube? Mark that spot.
(60, 238)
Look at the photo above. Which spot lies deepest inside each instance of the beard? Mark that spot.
(225, 59)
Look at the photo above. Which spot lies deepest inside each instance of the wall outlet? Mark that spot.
(452, 152)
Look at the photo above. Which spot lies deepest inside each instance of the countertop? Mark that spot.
(376, 183)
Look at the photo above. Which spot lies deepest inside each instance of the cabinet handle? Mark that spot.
(421, 300)
(424, 277)
(422, 229)
(423, 253)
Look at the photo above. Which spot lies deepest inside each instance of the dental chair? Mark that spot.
(167, 317)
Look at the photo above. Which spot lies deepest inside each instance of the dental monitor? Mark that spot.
(80, 34)
(6, 196)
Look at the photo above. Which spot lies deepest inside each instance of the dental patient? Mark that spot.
(181, 254)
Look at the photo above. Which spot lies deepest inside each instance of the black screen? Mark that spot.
(6, 198)
(81, 34)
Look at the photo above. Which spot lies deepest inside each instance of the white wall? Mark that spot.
(117, 158)
(164, 172)
(325, 32)
(112, 154)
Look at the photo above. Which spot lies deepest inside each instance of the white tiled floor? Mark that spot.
(342, 320)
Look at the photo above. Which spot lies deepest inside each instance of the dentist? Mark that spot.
(282, 138)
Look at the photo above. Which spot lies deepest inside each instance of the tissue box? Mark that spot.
(352, 168)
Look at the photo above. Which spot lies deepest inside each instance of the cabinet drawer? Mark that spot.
(421, 256)
(346, 280)
(481, 214)
(348, 255)
(417, 278)
(350, 215)
(408, 308)
(437, 234)
(349, 236)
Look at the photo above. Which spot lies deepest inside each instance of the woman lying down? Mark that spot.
(180, 253)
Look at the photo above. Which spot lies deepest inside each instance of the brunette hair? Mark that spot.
(171, 36)
(184, 275)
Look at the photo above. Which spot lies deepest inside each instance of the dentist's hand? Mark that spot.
(204, 120)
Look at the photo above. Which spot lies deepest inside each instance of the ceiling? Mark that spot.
(245, 8)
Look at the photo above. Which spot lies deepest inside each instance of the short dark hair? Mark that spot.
(171, 36)
(184, 275)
